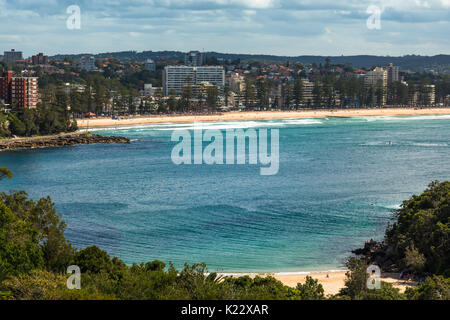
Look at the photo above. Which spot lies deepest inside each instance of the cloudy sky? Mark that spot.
(282, 27)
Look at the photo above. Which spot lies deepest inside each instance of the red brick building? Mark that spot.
(39, 59)
(20, 91)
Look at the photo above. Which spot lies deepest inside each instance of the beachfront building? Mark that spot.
(20, 92)
(150, 90)
(308, 89)
(424, 96)
(237, 82)
(176, 77)
(393, 73)
(12, 56)
(378, 79)
(88, 63)
(431, 92)
(374, 77)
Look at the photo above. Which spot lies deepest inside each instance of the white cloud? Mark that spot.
(288, 27)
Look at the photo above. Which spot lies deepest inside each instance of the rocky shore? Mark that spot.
(60, 140)
(379, 253)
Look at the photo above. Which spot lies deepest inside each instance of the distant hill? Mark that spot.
(438, 63)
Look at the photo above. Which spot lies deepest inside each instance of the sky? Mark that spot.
(279, 27)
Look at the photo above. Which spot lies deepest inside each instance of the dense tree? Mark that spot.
(433, 288)
(317, 94)
(311, 289)
(298, 92)
(186, 95)
(262, 93)
(249, 93)
(212, 98)
(420, 236)
(286, 95)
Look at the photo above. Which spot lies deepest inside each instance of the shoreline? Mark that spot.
(57, 140)
(260, 115)
(331, 280)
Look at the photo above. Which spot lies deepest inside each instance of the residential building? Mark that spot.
(39, 59)
(12, 56)
(393, 73)
(237, 82)
(176, 77)
(194, 58)
(19, 91)
(308, 96)
(150, 65)
(376, 76)
(431, 91)
(88, 63)
(72, 87)
(426, 96)
(201, 89)
(150, 90)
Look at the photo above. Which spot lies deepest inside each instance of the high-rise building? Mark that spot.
(430, 93)
(20, 91)
(88, 63)
(237, 82)
(39, 59)
(176, 77)
(193, 58)
(376, 76)
(308, 89)
(150, 65)
(12, 56)
(393, 73)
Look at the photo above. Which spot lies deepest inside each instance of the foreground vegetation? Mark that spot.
(34, 255)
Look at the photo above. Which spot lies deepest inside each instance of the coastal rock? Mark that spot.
(58, 141)
(378, 253)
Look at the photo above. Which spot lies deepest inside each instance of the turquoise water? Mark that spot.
(338, 181)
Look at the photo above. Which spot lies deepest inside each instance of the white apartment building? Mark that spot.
(175, 77)
(373, 77)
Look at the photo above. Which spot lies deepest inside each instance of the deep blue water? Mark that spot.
(338, 181)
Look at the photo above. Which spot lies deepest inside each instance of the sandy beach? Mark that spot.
(331, 281)
(261, 115)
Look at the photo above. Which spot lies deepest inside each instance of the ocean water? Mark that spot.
(338, 181)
